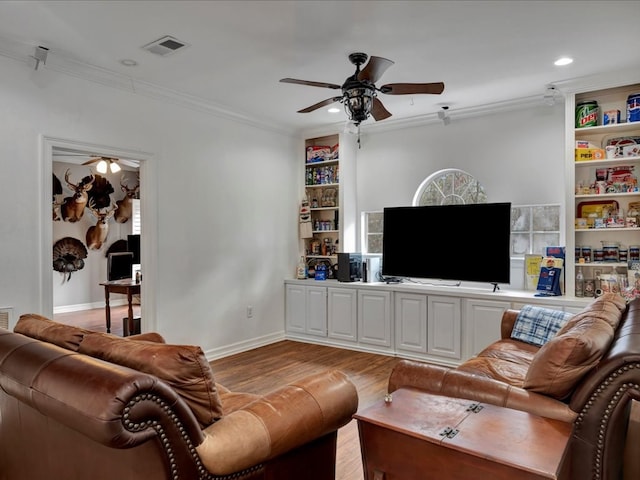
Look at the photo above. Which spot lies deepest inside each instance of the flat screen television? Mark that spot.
(119, 266)
(448, 242)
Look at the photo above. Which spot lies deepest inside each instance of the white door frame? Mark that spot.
(148, 209)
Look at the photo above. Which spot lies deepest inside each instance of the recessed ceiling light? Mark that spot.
(562, 61)
(127, 62)
(333, 110)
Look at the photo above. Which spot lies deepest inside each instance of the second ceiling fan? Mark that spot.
(359, 92)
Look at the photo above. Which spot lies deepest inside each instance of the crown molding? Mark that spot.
(68, 66)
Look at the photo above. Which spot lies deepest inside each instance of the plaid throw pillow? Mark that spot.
(537, 325)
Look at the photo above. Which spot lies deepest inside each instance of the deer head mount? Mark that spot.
(72, 207)
(123, 214)
(97, 234)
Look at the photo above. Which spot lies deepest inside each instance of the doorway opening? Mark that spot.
(93, 213)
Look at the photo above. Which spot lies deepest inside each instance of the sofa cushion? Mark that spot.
(46, 330)
(63, 335)
(567, 357)
(183, 367)
(536, 325)
(608, 308)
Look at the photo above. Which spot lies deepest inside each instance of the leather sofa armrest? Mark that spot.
(278, 422)
(450, 382)
(508, 321)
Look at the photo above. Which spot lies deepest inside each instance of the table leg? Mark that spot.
(107, 309)
(130, 319)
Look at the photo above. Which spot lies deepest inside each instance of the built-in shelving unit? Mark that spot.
(322, 189)
(589, 188)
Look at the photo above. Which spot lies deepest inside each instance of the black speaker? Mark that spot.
(349, 267)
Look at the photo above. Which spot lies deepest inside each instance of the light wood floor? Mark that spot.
(265, 368)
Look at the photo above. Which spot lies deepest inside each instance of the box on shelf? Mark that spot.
(586, 154)
(318, 153)
(585, 144)
(611, 117)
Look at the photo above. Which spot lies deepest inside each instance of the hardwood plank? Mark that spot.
(263, 369)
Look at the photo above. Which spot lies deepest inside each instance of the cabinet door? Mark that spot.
(482, 324)
(374, 318)
(295, 308)
(443, 326)
(316, 311)
(410, 315)
(342, 313)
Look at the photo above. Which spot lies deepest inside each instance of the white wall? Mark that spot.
(227, 196)
(517, 155)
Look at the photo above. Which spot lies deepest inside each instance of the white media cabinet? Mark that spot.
(439, 324)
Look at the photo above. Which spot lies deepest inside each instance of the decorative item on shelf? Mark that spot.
(633, 107)
(306, 229)
(301, 270)
(314, 265)
(329, 197)
(318, 153)
(549, 279)
(579, 283)
(587, 114)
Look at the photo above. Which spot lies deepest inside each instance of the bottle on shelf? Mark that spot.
(301, 271)
(579, 283)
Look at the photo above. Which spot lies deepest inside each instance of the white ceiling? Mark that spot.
(486, 52)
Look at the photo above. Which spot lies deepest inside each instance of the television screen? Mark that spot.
(448, 242)
(133, 246)
(120, 266)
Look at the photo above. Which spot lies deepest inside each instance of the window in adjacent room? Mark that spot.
(534, 227)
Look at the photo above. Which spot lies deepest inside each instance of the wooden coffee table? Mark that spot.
(422, 436)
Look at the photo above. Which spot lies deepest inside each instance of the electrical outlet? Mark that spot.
(249, 311)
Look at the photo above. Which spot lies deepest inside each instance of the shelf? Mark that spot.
(618, 128)
(608, 161)
(608, 195)
(320, 209)
(603, 264)
(328, 257)
(333, 161)
(322, 185)
(610, 229)
(333, 231)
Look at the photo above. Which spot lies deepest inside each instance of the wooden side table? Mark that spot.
(422, 436)
(127, 287)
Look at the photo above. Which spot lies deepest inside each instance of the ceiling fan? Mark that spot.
(103, 163)
(359, 92)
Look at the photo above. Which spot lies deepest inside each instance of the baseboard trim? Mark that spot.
(221, 352)
(88, 306)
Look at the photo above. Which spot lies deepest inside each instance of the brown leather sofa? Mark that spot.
(76, 404)
(588, 374)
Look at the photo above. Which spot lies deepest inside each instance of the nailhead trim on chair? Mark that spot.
(203, 474)
(597, 461)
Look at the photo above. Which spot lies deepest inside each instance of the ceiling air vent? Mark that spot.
(165, 46)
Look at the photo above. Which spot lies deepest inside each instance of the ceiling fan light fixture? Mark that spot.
(358, 102)
(115, 168)
(102, 166)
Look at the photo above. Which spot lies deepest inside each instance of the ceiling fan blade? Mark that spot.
(318, 105)
(412, 88)
(374, 69)
(378, 112)
(92, 161)
(312, 84)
